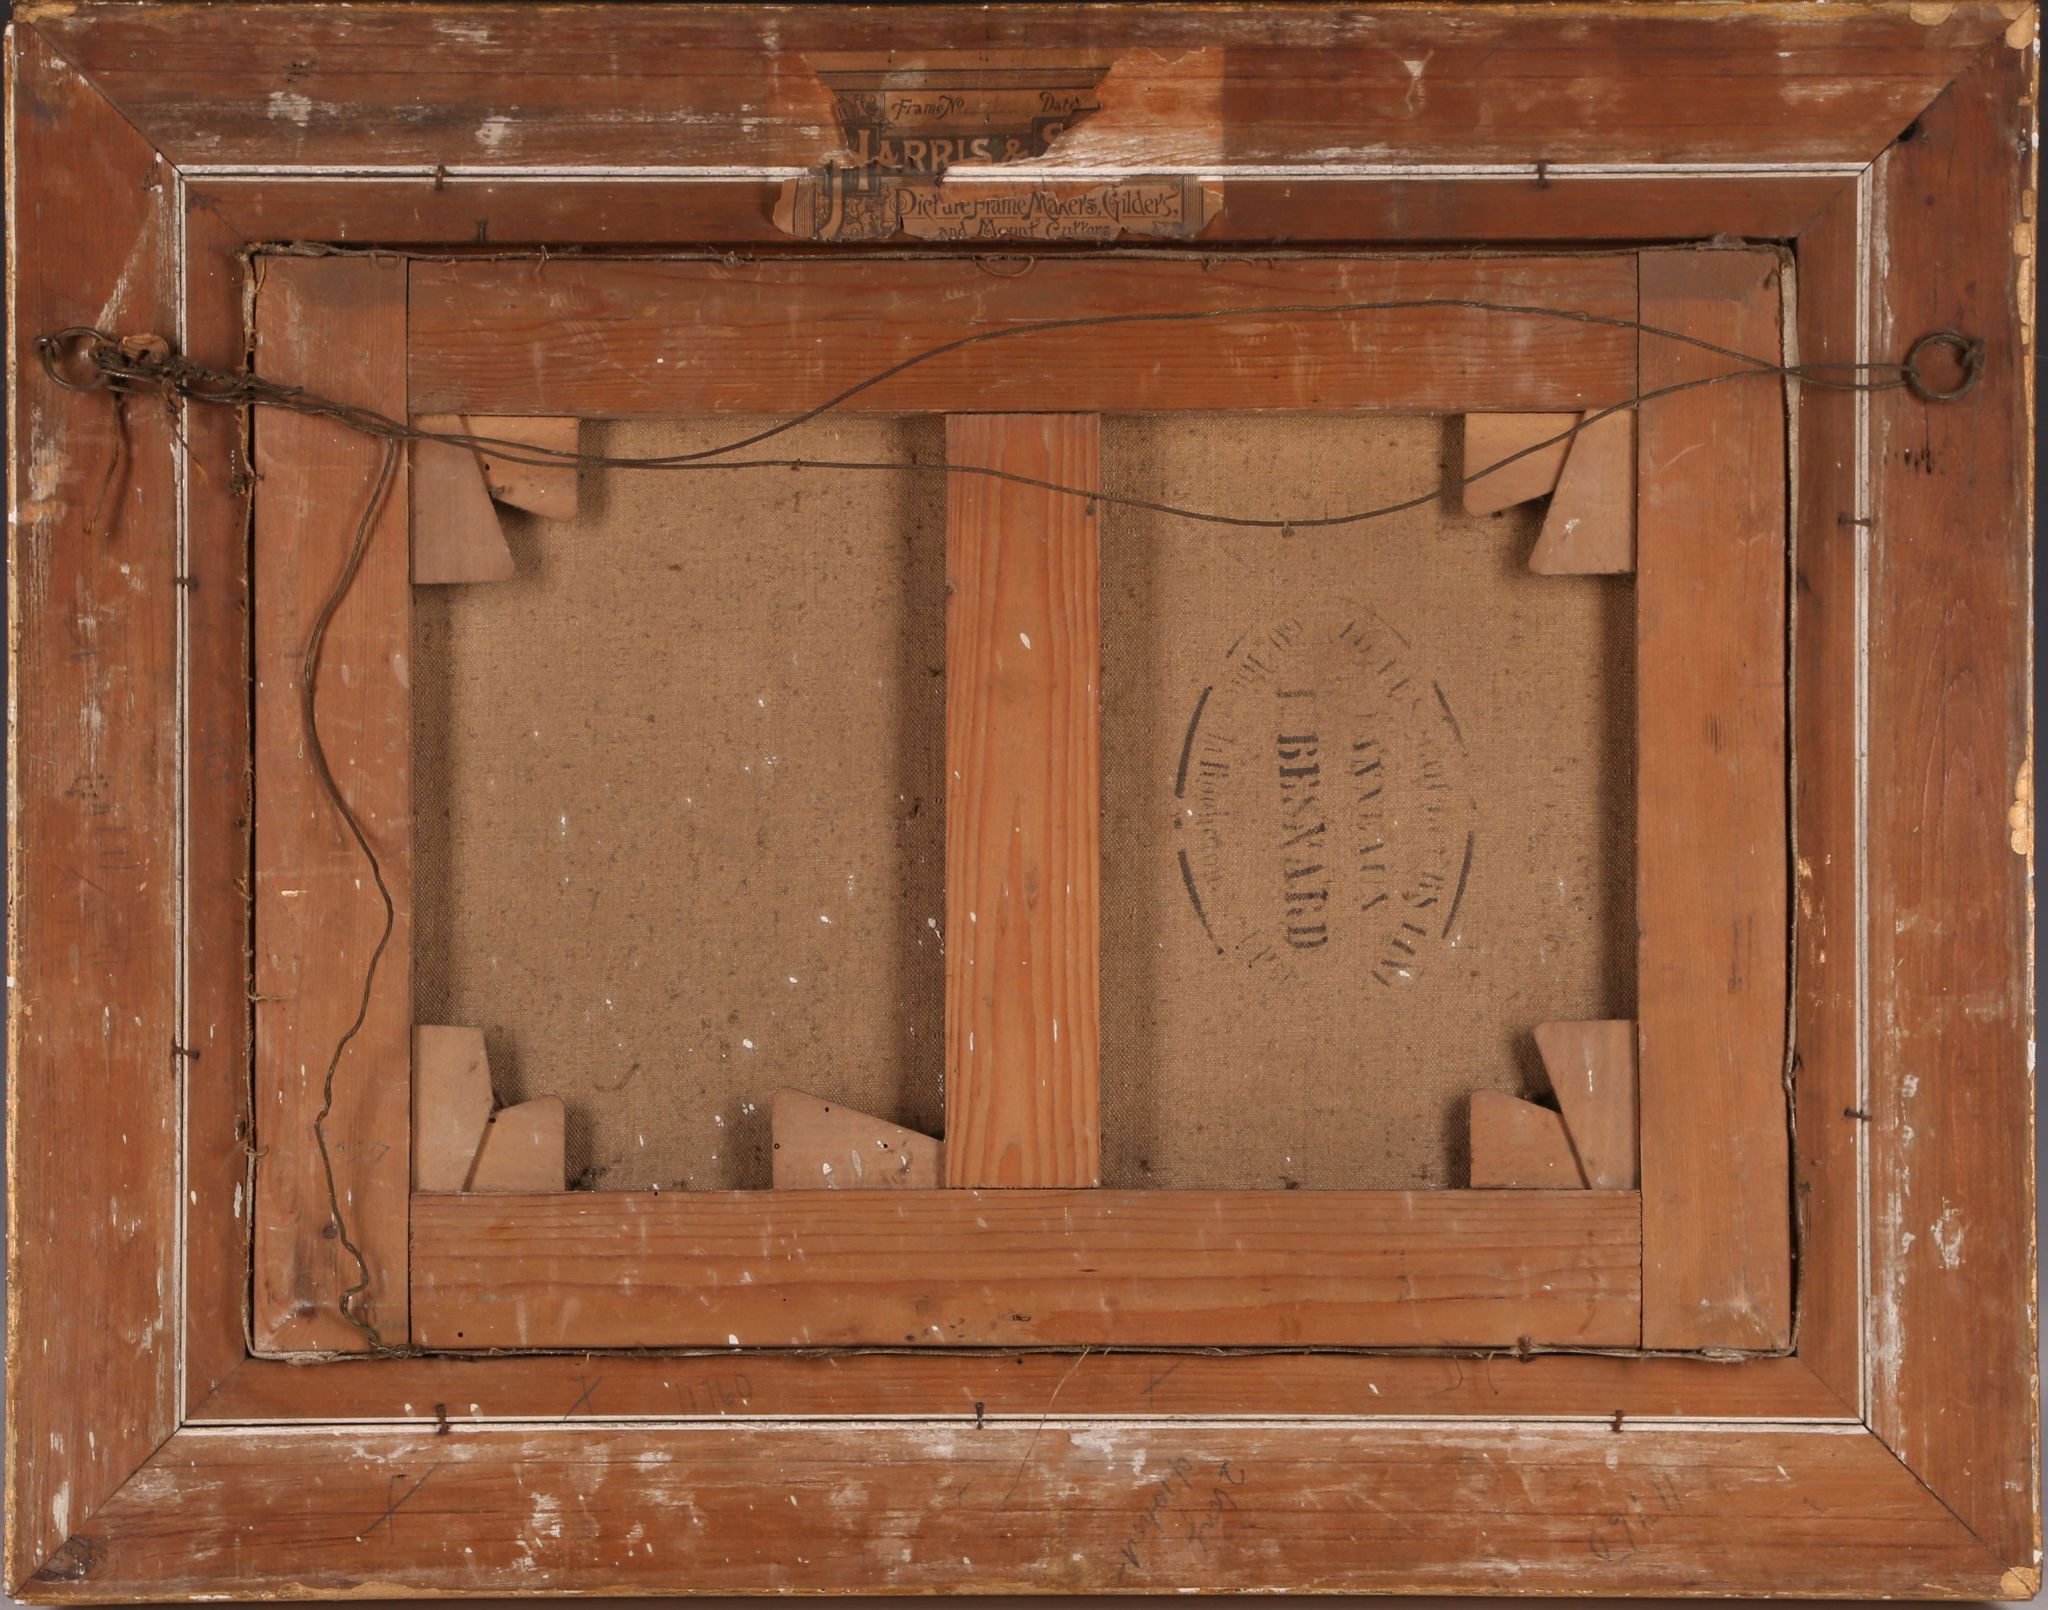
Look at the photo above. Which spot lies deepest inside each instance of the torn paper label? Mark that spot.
(925, 140)
(828, 208)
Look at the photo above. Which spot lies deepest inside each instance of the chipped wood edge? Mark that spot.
(97, 1071)
(172, 1463)
(1951, 1311)
(1816, 121)
(1586, 1508)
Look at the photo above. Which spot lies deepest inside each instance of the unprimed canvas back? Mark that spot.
(1366, 814)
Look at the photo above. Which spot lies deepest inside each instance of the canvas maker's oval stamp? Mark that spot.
(1323, 813)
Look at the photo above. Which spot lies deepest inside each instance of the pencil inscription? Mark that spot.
(719, 1393)
(1622, 1532)
(1183, 1510)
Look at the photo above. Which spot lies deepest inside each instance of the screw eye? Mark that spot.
(68, 358)
(1968, 356)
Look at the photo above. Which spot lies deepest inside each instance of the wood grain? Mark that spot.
(1348, 1508)
(1316, 208)
(1827, 642)
(548, 490)
(764, 1506)
(727, 86)
(990, 1268)
(93, 1072)
(949, 1383)
(1023, 804)
(336, 325)
(451, 1104)
(1710, 814)
(219, 819)
(618, 338)
(1952, 1344)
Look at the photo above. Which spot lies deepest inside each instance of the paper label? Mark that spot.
(920, 144)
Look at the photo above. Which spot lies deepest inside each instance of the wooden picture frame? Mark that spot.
(157, 153)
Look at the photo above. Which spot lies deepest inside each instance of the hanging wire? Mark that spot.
(85, 359)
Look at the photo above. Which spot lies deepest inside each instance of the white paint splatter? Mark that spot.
(1417, 97)
(547, 1516)
(1948, 1237)
(289, 106)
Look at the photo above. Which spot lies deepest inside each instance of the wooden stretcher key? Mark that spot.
(456, 533)
(1519, 1146)
(823, 1146)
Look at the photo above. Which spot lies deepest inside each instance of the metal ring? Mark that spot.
(82, 339)
(1969, 354)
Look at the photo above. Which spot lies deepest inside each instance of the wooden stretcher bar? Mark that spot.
(770, 337)
(1023, 804)
(1046, 1267)
(1039, 1111)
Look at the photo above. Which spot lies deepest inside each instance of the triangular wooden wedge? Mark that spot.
(451, 1104)
(1592, 1068)
(456, 533)
(548, 490)
(1489, 438)
(1590, 478)
(1590, 527)
(822, 1146)
(524, 1149)
(1519, 1146)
